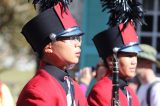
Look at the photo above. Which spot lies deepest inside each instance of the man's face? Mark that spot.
(65, 51)
(127, 65)
(143, 67)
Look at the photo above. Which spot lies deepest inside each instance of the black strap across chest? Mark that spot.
(149, 92)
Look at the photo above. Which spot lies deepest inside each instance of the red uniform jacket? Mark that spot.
(45, 90)
(101, 94)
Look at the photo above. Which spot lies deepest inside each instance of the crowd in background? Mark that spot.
(146, 81)
(88, 76)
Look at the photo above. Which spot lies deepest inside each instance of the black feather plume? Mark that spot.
(45, 4)
(123, 11)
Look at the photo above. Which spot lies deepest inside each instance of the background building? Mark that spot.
(95, 21)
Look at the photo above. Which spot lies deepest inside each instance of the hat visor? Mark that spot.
(75, 31)
(131, 49)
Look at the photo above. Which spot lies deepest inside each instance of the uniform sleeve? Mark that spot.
(32, 98)
(155, 95)
(97, 98)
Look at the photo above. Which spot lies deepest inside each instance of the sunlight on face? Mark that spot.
(68, 50)
(127, 65)
(64, 52)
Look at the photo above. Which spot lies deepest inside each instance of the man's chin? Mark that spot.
(131, 76)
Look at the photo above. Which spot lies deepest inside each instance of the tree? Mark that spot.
(13, 15)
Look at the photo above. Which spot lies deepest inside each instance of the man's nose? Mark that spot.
(78, 43)
(134, 60)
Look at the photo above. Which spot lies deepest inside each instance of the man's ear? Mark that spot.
(109, 62)
(48, 48)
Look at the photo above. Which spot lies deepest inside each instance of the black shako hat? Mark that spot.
(124, 15)
(54, 22)
(126, 40)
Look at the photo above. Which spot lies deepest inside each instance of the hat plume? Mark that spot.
(45, 4)
(123, 11)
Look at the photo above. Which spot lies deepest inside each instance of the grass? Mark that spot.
(16, 80)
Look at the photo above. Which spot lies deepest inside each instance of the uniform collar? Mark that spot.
(56, 72)
(122, 83)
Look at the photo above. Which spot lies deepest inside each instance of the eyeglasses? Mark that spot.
(78, 38)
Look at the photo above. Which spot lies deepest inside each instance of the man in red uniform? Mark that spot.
(118, 46)
(56, 38)
(127, 45)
